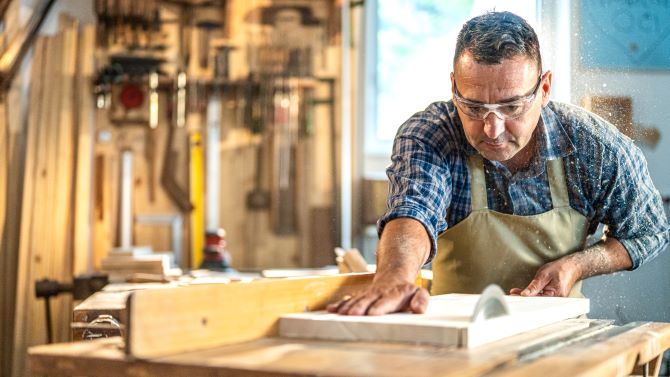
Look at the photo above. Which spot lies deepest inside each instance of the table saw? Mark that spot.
(232, 330)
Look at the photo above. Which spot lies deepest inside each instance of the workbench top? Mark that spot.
(576, 347)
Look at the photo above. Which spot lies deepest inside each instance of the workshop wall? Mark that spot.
(274, 83)
(275, 136)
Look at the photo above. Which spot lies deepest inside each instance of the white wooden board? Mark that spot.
(445, 323)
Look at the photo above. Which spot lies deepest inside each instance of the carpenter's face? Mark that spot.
(499, 104)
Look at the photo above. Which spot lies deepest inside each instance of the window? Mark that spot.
(410, 53)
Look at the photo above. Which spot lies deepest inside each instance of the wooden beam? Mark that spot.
(84, 123)
(63, 148)
(36, 108)
(168, 321)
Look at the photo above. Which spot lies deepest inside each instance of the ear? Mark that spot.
(546, 87)
(452, 84)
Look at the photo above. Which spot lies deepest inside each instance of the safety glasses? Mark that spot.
(506, 110)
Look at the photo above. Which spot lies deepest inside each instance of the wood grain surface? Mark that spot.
(601, 355)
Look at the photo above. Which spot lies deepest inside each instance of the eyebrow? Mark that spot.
(506, 100)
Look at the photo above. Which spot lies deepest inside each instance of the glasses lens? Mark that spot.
(509, 111)
(513, 110)
(475, 111)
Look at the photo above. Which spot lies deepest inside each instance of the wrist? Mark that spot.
(389, 277)
(577, 265)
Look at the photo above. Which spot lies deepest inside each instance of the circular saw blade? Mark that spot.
(491, 304)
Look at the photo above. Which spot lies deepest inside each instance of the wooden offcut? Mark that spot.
(447, 322)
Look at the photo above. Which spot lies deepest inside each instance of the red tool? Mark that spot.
(131, 96)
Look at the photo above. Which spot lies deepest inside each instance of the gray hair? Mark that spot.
(495, 36)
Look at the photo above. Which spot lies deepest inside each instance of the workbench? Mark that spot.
(248, 344)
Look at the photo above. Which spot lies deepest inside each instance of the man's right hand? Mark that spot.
(384, 295)
(402, 250)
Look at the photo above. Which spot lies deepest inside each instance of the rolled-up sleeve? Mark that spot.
(419, 181)
(631, 206)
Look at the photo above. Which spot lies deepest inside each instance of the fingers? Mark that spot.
(335, 306)
(400, 302)
(386, 304)
(549, 293)
(358, 305)
(536, 286)
(515, 291)
(376, 302)
(419, 302)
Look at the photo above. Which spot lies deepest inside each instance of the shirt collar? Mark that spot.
(553, 139)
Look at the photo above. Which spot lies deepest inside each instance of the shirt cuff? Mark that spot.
(419, 215)
(643, 249)
(635, 252)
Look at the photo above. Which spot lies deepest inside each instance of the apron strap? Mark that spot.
(477, 183)
(557, 183)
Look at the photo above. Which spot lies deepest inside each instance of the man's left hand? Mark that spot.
(554, 279)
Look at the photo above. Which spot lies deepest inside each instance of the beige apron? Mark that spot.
(491, 247)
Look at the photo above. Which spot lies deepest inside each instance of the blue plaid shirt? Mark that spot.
(607, 177)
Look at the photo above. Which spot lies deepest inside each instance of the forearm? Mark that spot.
(403, 248)
(602, 258)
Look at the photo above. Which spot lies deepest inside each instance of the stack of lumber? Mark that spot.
(122, 264)
(57, 104)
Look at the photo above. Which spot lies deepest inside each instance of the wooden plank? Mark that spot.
(4, 162)
(63, 146)
(45, 246)
(164, 321)
(84, 123)
(447, 322)
(299, 357)
(7, 256)
(12, 154)
(43, 250)
(36, 108)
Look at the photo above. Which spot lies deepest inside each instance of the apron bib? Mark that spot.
(490, 247)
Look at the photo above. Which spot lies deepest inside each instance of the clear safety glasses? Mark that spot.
(506, 110)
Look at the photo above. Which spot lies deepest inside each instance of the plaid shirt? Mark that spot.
(607, 177)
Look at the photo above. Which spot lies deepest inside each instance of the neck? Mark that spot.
(522, 159)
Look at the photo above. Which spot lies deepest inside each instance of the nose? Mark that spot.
(494, 125)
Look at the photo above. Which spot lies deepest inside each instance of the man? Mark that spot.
(501, 185)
